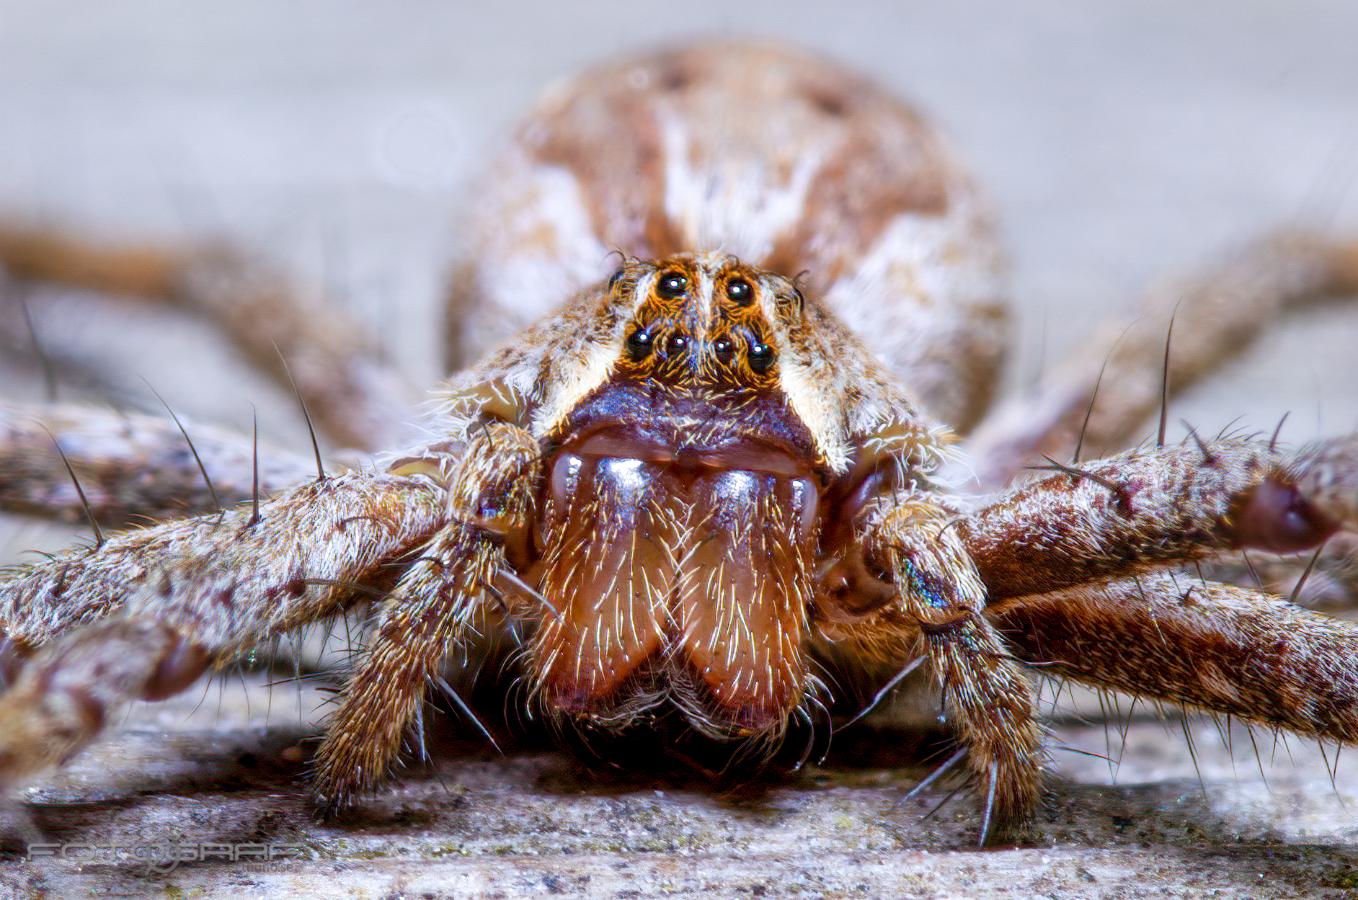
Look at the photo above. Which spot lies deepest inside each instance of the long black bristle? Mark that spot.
(1089, 411)
(1273, 441)
(202, 469)
(1301, 582)
(1164, 384)
(80, 491)
(254, 461)
(306, 414)
(49, 371)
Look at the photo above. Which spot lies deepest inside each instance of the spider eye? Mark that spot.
(761, 357)
(639, 344)
(672, 285)
(723, 346)
(677, 344)
(738, 291)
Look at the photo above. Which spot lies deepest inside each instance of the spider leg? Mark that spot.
(1218, 647)
(130, 464)
(147, 611)
(987, 698)
(1148, 509)
(1217, 314)
(492, 495)
(355, 400)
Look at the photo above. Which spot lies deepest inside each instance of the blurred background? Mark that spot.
(1120, 142)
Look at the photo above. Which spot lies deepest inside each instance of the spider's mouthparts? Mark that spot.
(683, 575)
(747, 454)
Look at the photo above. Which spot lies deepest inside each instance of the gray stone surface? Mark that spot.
(1120, 142)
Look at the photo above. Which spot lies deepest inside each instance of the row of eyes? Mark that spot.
(671, 286)
(640, 343)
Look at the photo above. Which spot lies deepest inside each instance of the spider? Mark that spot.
(730, 326)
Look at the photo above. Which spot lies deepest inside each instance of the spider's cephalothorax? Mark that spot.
(691, 483)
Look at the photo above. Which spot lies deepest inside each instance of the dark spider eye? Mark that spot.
(723, 347)
(639, 344)
(671, 285)
(677, 344)
(739, 291)
(761, 357)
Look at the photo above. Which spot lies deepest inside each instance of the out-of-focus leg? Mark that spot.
(130, 465)
(354, 399)
(1217, 315)
(1327, 579)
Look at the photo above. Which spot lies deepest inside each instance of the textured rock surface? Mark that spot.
(1118, 143)
(535, 821)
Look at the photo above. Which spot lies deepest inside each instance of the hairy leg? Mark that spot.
(1148, 509)
(142, 614)
(1217, 315)
(988, 700)
(130, 465)
(357, 401)
(1217, 647)
(492, 489)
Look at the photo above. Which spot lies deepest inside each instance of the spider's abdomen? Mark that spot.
(782, 160)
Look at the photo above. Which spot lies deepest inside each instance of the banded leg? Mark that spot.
(355, 400)
(130, 465)
(1218, 314)
(988, 701)
(1213, 646)
(146, 612)
(492, 492)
